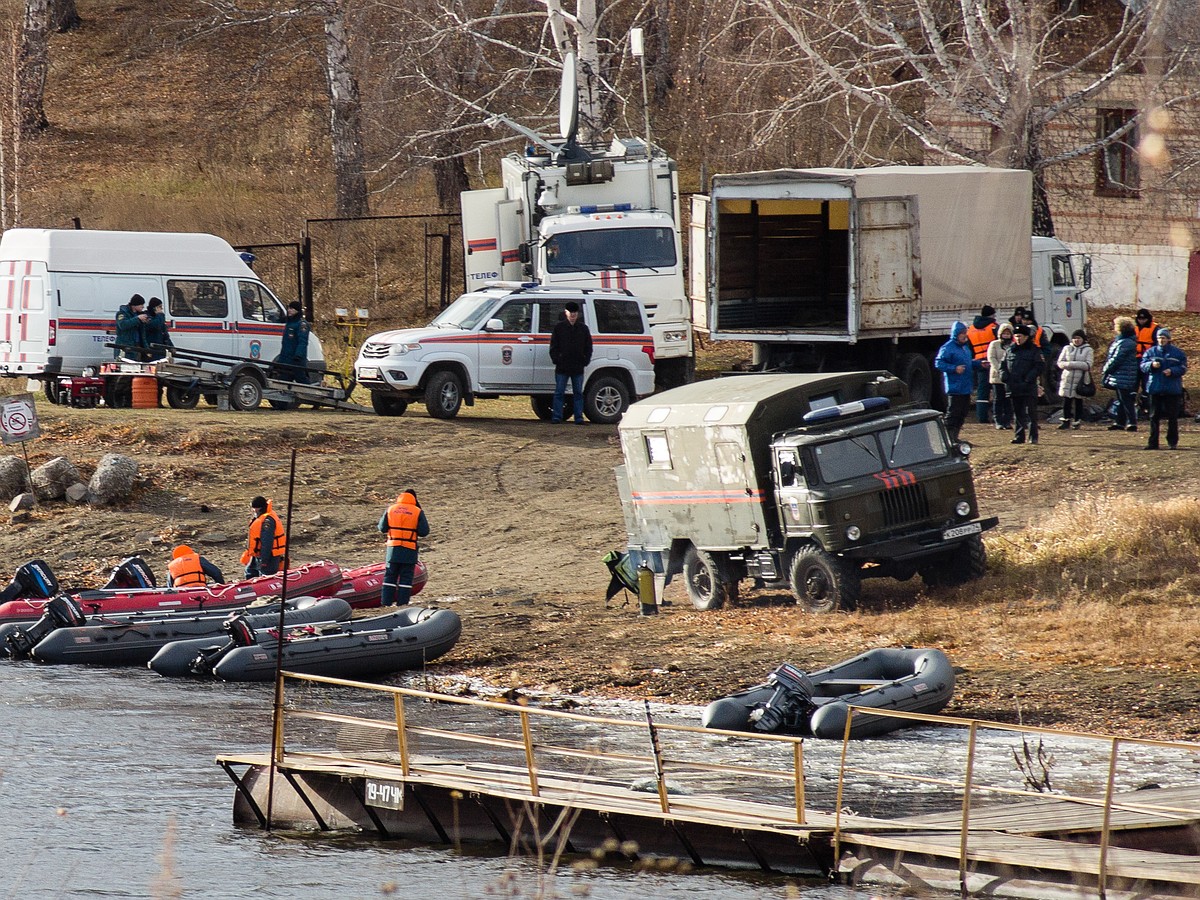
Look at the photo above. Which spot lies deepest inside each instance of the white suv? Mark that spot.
(496, 340)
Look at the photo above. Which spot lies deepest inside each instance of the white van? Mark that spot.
(60, 290)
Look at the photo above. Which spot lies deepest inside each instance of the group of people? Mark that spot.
(1003, 365)
(403, 523)
(142, 330)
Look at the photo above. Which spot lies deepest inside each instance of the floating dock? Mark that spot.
(402, 763)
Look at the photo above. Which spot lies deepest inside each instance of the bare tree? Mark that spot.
(33, 63)
(1019, 68)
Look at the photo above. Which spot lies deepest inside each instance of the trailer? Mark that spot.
(239, 382)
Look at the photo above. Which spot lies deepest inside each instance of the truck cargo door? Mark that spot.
(491, 237)
(698, 262)
(887, 262)
(743, 500)
(34, 329)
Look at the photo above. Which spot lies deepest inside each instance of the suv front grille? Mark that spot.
(375, 351)
(904, 505)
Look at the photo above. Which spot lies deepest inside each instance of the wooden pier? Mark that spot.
(389, 775)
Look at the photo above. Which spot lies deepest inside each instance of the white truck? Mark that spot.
(567, 216)
(60, 290)
(845, 269)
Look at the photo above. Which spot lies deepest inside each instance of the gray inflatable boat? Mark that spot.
(817, 703)
(406, 639)
(133, 640)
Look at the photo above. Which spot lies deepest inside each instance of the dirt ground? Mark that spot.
(521, 514)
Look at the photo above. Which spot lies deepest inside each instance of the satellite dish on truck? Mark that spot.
(568, 111)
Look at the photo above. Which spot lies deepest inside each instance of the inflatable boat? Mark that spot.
(134, 640)
(311, 579)
(380, 645)
(817, 703)
(362, 587)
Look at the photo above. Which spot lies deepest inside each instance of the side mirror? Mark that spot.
(523, 253)
(1087, 273)
(494, 325)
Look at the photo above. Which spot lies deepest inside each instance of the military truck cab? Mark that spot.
(808, 482)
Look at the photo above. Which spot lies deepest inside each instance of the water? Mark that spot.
(108, 788)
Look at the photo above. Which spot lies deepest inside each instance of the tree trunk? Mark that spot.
(345, 117)
(64, 16)
(33, 62)
(450, 179)
(661, 65)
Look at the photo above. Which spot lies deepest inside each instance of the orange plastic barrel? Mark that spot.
(145, 392)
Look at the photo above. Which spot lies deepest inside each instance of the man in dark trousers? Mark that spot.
(570, 351)
(1021, 373)
(403, 522)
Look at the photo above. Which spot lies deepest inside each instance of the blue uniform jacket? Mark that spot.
(1172, 358)
(1121, 366)
(952, 355)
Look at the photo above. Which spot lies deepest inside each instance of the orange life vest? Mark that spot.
(1145, 338)
(1037, 337)
(254, 545)
(980, 338)
(186, 571)
(402, 519)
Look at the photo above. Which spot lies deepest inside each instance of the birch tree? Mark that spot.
(1020, 68)
(33, 63)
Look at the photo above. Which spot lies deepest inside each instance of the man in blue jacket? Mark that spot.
(957, 363)
(1164, 366)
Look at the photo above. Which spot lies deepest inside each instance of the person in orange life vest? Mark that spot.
(403, 522)
(980, 335)
(189, 569)
(1146, 334)
(267, 541)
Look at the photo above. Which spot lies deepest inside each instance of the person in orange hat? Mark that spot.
(403, 522)
(189, 569)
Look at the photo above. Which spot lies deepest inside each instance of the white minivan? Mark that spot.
(60, 290)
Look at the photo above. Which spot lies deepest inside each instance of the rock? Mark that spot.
(14, 477)
(213, 537)
(68, 556)
(113, 481)
(25, 500)
(318, 519)
(77, 492)
(18, 518)
(51, 480)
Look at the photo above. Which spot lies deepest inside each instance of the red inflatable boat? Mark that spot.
(362, 587)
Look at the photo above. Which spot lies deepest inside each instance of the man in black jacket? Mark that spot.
(1021, 372)
(570, 351)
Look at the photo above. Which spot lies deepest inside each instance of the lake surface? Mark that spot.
(108, 788)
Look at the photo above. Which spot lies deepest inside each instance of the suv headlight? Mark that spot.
(963, 508)
(401, 349)
(853, 532)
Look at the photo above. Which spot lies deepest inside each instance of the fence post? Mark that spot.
(798, 772)
(529, 763)
(1104, 831)
(966, 809)
(401, 734)
(837, 812)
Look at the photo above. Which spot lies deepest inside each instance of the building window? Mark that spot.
(1117, 172)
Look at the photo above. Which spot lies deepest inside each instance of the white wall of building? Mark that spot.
(1133, 276)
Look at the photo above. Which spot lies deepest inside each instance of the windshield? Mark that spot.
(465, 312)
(611, 248)
(867, 454)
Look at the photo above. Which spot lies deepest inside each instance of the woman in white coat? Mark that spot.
(1075, 361)
(1002, 411)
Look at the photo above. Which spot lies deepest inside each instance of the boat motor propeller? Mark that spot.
(241, 634)
(34, 580)
(63, 611)
(793, 693)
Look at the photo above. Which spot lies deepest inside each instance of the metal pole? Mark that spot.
(837, 812)
(277, 719)
(966, 811)
(1105, 830)
(656, 749)
(798, 762)
(529, 760)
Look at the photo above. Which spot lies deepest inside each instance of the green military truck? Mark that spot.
(810, 482)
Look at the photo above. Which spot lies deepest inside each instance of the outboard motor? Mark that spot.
(34, 580)
(788, 704)
(131, 572)
(63, 611)
(241, 634)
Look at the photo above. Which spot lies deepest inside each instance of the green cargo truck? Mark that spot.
(810, 482)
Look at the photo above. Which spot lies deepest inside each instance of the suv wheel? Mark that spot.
(822, 582)
(386, 404)
(543, 406)
(605, 400)
(708, 580)
(443, 395)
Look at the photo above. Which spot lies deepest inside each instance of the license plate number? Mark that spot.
(383, 794)
(367, 372)
(961, 531)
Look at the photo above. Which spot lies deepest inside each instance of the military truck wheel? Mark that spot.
(823, 583)
(543, 406)
(708, 580)
(966, 562)
(386, 404)
(913, 369)
(443, 395)
(605, 400)
(181, 397)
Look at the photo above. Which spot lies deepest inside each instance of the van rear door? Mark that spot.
(24, 318)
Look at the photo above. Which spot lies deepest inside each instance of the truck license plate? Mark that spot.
(961, 531)
(367, 372)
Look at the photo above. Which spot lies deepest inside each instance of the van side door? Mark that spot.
(259, 322)
(199, 315)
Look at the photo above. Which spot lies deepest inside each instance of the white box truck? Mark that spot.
(847, 269)
(60, 290)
